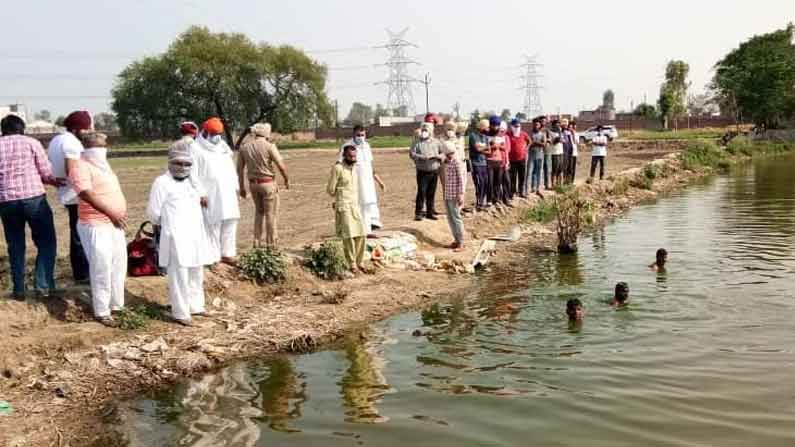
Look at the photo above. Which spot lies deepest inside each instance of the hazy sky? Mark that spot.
(64, 55)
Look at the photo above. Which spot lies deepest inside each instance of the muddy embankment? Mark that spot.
(63, 381)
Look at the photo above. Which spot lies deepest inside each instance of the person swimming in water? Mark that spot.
(662, 258)
(574, 310)
(621, 297)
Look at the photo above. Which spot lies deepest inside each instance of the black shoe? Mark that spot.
(433, 217)
(418, 218)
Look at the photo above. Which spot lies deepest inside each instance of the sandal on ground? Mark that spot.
(199, 314)
(186, 323)
(107, 321)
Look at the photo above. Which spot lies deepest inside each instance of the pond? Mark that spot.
(703, 355)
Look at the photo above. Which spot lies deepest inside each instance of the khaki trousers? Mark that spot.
(353, 247)
(266, 206)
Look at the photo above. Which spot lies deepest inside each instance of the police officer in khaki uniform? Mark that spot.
(258, 156)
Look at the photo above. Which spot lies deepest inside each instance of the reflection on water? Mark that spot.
(701, 356)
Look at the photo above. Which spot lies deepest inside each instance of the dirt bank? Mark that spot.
(62, 372)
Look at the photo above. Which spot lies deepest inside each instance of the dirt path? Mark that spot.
(55, 364)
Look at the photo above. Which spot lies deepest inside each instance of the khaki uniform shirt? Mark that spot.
(259, 155)
(343, 186)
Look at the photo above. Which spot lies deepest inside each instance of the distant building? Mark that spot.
(387, 121)
(41, 127)
(16, 109)
(600, 114)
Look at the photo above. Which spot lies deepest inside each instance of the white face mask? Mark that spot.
(358, 140)
(424, 134)
(450, 134)
(214, 139)
(516, 130)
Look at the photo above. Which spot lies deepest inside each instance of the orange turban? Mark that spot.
(213, 126)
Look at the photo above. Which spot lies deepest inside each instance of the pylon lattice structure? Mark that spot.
(531, 84)
(400, 97)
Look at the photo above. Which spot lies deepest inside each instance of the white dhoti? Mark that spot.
(223, 238)
(185, 290)
(371, 217)
(106, 251)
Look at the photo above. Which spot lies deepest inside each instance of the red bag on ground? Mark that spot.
(141, 253)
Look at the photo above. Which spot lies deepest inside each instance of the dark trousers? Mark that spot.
(496, 181)
(571, 168)
(426, 193)
(480, 177)
(600, 159)
(557, 169)
(37, 214)
(519, 177)
(77, 257)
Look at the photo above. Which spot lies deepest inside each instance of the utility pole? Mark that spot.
(427, 82)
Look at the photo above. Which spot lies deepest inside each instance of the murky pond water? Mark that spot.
(702, 356)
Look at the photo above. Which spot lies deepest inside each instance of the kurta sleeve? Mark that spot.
(156, 198)
(197, 172)
(331, 187)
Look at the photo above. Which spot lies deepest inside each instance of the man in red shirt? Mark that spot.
(24, 170)
(518, 158)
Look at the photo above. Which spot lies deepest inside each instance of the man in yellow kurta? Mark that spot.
(343, 186)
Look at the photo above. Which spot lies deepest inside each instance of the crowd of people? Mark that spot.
(194, 204)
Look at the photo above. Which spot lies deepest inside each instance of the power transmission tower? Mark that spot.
(400, 96)
(531, 77)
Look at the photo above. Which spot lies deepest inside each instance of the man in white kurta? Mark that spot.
(367, 178)
(174, 206)
(215, 175)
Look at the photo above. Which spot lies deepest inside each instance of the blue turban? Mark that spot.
(494, 121)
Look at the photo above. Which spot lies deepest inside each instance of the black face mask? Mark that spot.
(349, 162)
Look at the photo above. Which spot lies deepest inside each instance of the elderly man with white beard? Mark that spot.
(214, 173)
(175, 208)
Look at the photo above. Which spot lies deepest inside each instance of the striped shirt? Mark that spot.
(24, 168)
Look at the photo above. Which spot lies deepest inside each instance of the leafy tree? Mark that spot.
(220, 74)
(59, 121)
(506, 115)
(43, 115)
(647, 111)
(402, 111)
(608, 100)
(105, 121)
(521, 116)
(757, 80)
(673, 92)
(360, 114)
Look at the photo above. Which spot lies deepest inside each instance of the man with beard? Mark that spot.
(343, 186)
(368, 198)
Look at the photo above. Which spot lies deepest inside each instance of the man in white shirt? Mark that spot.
(214, 173)
(64, 152)
(368, 198)
(598, 153)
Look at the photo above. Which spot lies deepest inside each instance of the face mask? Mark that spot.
(450, 134)
(179, 172)
(516, 130)
(358, 140)
(214, 139)
(424, 134)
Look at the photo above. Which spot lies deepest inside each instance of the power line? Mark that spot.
(530, 78)
(400, 96)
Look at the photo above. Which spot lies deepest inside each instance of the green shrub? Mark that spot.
(542, 212)
(138, 316)
(264, 265)
(740, 146)
(620, 186)
(641, 181)
(564, 189)
(328, 260)
(701, 154)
